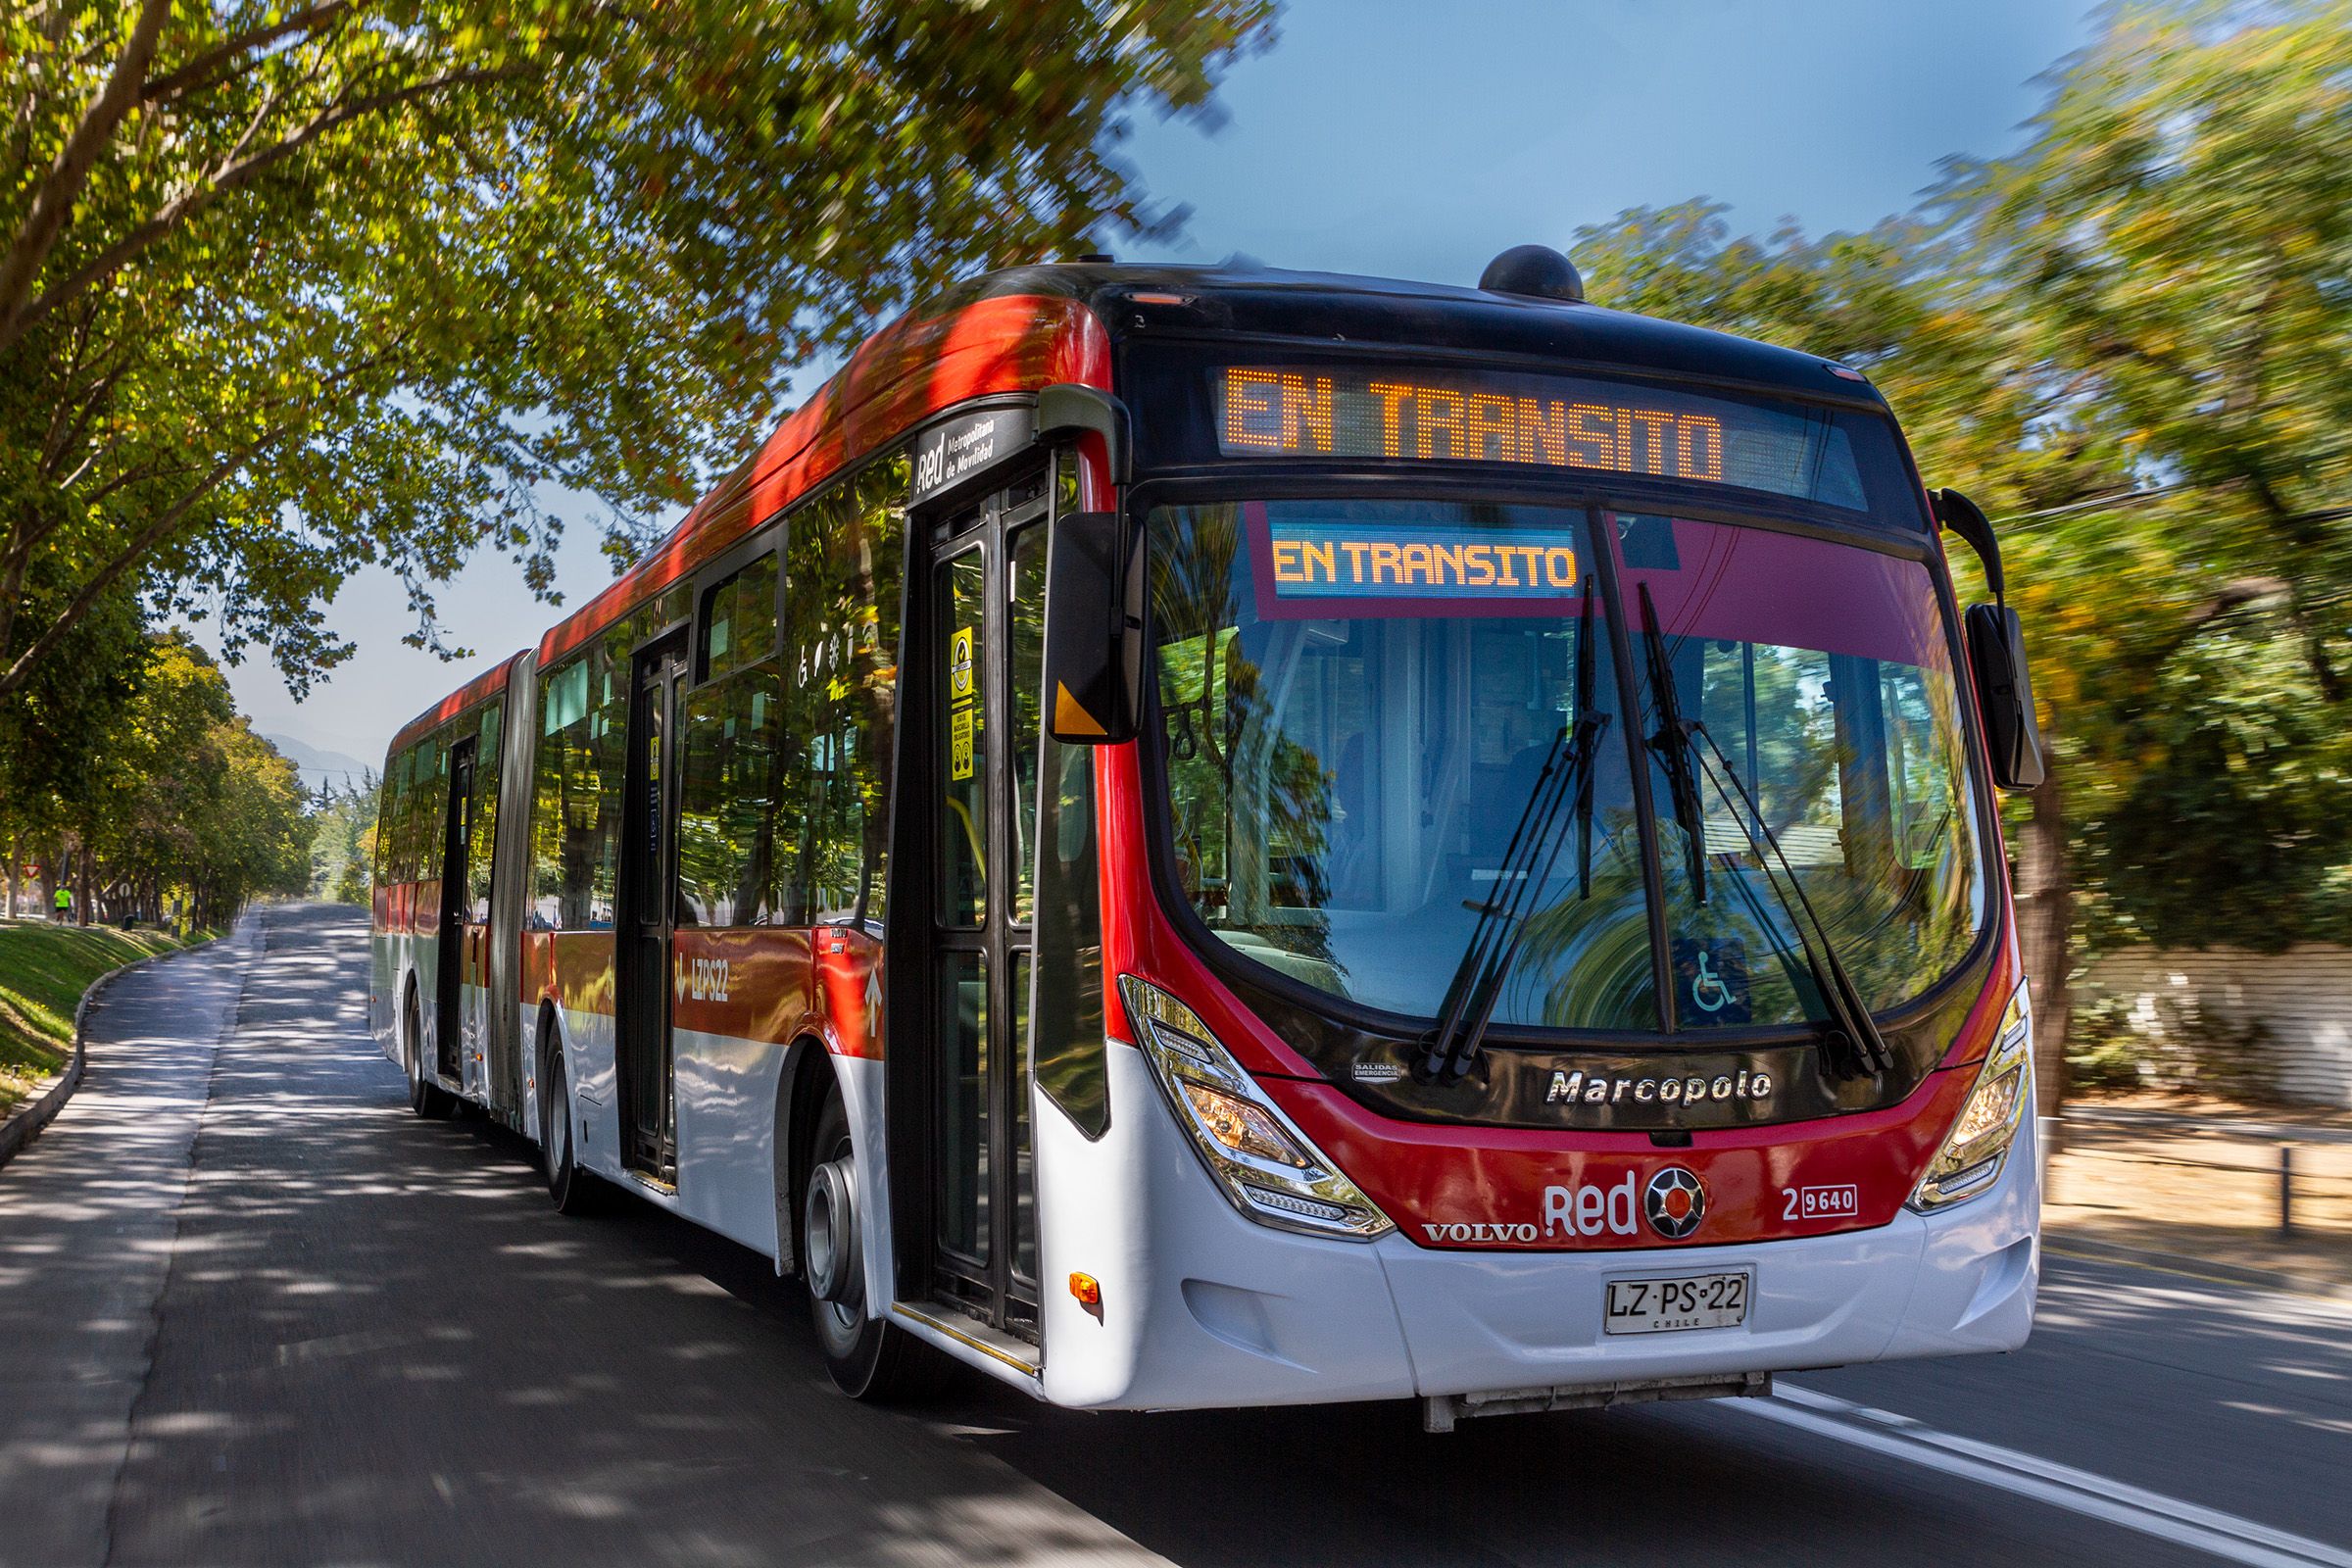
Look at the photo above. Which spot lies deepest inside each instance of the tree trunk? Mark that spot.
(2045, 919)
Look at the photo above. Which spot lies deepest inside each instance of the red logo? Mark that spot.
(1674, 1203)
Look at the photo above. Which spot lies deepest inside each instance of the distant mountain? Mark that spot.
(319, 767)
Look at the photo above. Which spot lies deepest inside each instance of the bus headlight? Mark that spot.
(1269, 1169)
(1997, 1108)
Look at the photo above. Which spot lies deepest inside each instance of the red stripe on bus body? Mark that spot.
(770, 983)
(902, 376)
(1425, 1175)
(778, 985)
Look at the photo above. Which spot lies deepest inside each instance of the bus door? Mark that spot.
(642, 925)
(985, 596)
(449, 974)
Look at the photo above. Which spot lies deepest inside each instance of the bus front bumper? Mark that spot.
(1201, 1308)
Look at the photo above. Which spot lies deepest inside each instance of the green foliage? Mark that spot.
(343, 842)
(170, 797)
(2148, 300)
(285, 291)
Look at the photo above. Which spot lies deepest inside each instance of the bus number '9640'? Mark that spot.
(1821, 1203)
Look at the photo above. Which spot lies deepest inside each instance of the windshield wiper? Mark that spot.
(1672, 743)
(1854, 1049)
(1526, 865)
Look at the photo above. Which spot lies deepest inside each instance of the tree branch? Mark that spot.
(147, 539)
(227, 178)
(53, 202)
(197, 72)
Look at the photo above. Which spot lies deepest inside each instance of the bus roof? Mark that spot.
(1304, 307)
(488, 684)
(1027, 328)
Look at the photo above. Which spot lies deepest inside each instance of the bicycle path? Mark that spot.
(89, 1213)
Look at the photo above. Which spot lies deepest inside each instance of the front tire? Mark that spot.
(426, 1097)
(868, 1357)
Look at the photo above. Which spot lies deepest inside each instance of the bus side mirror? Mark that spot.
(1093, 631)
(1996, 655)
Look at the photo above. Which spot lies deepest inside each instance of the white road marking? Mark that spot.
(2094, 1497)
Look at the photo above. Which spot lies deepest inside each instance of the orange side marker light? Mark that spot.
(1089, 1292)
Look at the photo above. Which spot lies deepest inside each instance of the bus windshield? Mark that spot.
(1358, 701)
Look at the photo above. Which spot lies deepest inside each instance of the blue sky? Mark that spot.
(1408, 138)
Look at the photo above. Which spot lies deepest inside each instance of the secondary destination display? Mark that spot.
(1341, 561)
(1548, 422)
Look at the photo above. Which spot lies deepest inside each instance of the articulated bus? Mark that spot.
(1194, 837)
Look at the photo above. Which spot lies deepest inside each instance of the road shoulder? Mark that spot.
(24, 1120)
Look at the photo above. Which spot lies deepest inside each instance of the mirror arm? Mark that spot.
(1070, 406)
(1966, 519)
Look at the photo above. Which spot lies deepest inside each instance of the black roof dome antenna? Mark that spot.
(1537, 271)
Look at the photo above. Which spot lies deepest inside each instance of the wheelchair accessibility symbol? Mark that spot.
(1712, 975)
(1707, 988)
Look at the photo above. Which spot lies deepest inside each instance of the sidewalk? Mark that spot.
(2198, 1186)
(88, 1214)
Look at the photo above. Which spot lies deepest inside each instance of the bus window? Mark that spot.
(1027, 593)
(1828, 709)
(959, 588)
(487, 771)
(567, 808)
(387, 818)
(739, 620)
(841, 650)
(727, 788)
(1349, 761)
(428, 793)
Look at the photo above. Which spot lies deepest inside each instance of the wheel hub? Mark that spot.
(829, 1223)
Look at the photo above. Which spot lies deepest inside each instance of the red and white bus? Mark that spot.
(1198, 837)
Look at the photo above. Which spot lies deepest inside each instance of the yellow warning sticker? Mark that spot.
(959, 744)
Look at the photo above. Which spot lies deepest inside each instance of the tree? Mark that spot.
(343, 842)
(2182, 223)
(2129, 342)
(182, 798)
(286, 289)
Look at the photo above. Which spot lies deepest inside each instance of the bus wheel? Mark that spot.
(573, 1189)
(869, 1357)
(426, 1097)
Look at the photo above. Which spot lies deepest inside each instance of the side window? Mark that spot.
(608, 759)
(729, 776)
(727, 793)
(481, 851)
(739, 620)
(388, 809)
(1919, 775)
(432, 817)
(563, 800)
(842, 568)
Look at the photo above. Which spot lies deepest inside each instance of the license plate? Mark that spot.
(1684, 1301)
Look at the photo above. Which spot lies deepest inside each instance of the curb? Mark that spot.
(36, 1113)
(2203, 1268)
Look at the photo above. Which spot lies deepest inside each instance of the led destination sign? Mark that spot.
(1538, 420)
(1339, 561)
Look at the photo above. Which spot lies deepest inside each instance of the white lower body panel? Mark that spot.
(1203, 1307)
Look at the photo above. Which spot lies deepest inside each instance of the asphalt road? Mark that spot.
(253, 1311)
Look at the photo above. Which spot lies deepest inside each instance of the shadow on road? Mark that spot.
(377, 1343)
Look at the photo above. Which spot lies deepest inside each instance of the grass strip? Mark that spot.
(44, 969)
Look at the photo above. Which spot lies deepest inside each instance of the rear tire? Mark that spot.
(869, 1357)
(426, 1097)
(574, 1190)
